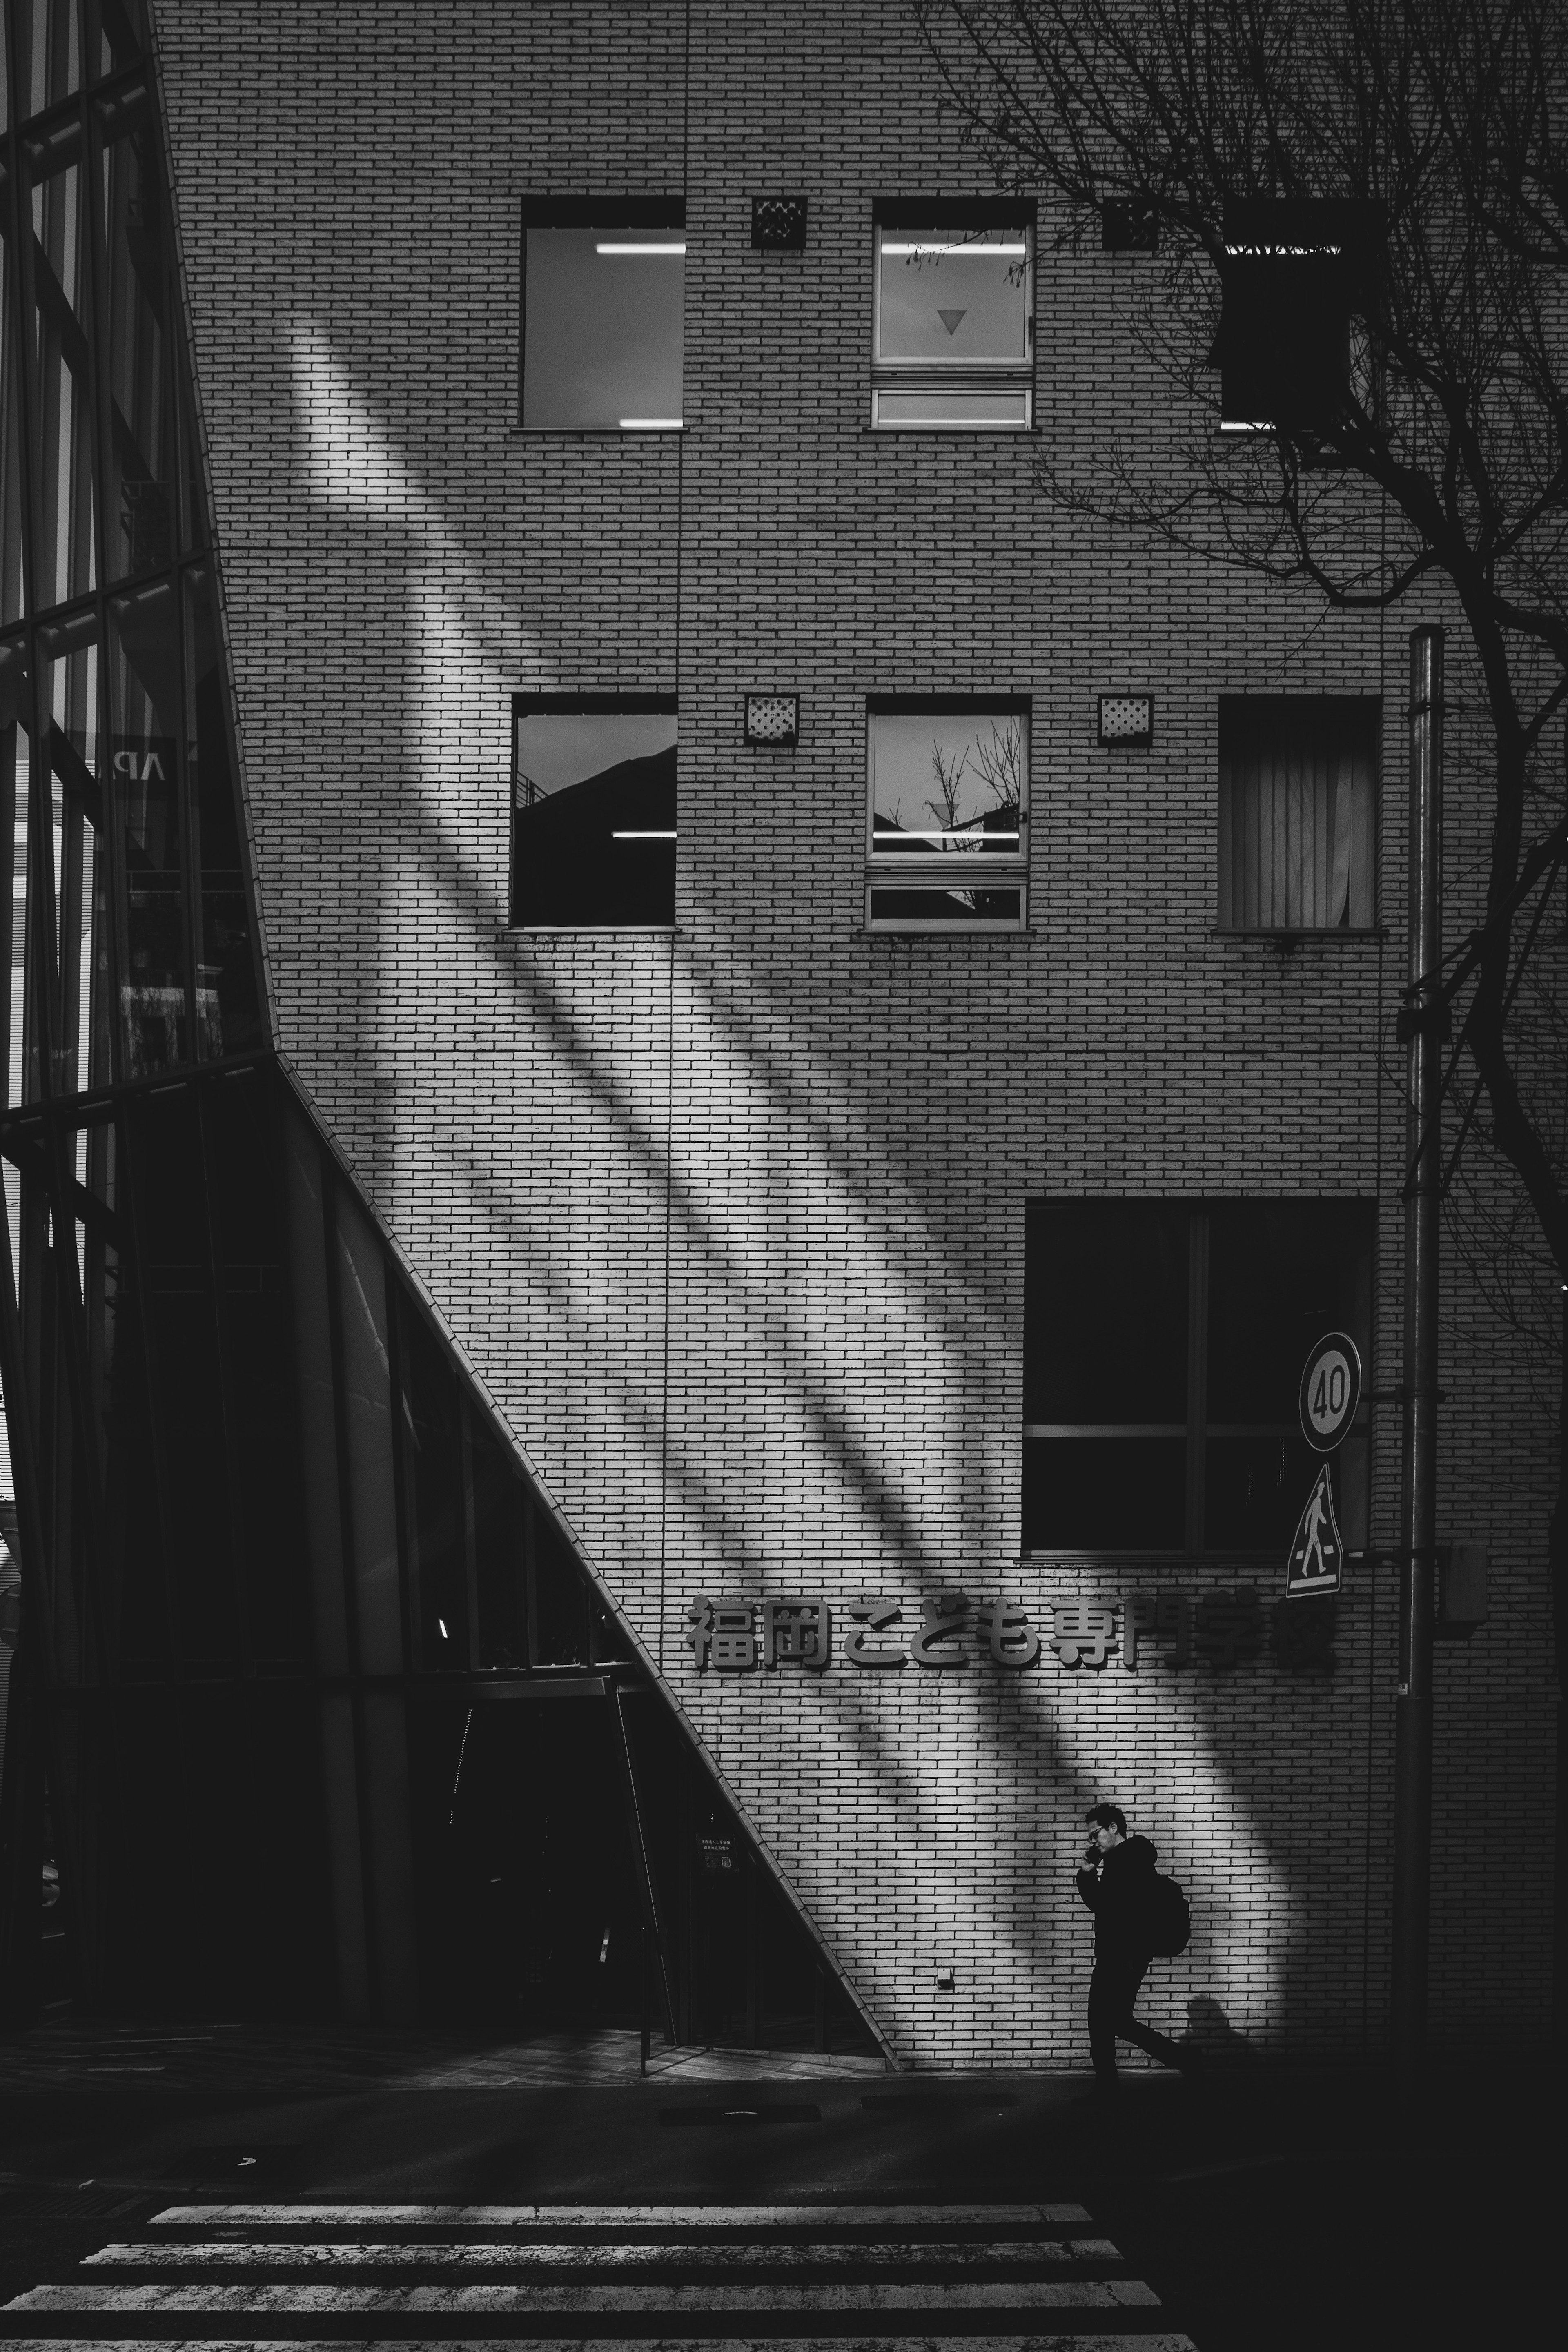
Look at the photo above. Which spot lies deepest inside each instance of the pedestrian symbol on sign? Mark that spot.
(1316, 1552)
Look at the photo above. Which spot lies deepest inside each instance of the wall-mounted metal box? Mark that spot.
(1461, 1590)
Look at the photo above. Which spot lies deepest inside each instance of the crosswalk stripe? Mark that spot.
(705, 2217)
(309, 2295)
(360, 2253)
(617, 2278)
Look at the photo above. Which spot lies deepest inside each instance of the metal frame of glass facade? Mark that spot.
(308, 1667)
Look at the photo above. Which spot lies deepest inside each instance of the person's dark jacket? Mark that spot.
(1121, 1895)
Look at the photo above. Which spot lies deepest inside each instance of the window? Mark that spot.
(1297, 809)
(1293, 274)
(1164, 1347)
(593, 826)
(948, 813)
(954, 338)
(603, 288)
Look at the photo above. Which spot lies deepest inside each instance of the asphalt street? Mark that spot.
(1265, 2209)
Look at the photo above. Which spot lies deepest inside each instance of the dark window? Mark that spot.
(1298, 813)
(592, 840)
(604, 291)
(436, 1533)
(1294, 273)
(558, 1598)
(499, 1503)
(1163, 1345)
(948, 807)
(953, 340)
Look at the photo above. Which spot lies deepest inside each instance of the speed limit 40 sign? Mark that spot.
(1331, 1391)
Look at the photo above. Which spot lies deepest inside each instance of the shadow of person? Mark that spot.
(1212, 2036)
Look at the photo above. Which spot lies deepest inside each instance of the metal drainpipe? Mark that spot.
(1418, 1485)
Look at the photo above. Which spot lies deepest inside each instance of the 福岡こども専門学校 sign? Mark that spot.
(742, 1633)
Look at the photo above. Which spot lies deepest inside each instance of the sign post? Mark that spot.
(1421, 1028)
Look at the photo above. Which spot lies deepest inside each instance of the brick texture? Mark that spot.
(731, 1224)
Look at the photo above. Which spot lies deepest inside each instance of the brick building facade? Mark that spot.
(728, 1219)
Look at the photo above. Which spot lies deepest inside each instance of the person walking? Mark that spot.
(1116, 1879)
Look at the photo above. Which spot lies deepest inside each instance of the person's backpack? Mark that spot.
(1170, 1917)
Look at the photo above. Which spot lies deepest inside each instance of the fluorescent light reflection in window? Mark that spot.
(594, 819)
(964, 835)
(960, 245)
(602, 339)
(650, 424)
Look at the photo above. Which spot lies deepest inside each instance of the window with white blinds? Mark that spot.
(1298, 805)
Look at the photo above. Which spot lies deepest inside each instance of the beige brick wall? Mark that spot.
(731, 1224)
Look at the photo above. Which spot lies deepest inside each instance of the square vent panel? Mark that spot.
(1128, 224)
(778, 224)
(1127, 719)
(773, 719)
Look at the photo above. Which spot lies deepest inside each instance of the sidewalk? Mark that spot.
(322, 2059)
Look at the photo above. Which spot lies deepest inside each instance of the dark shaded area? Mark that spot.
(1105, 1494)
(1276, 2208)
(338, 1721)
(567, 866)
(949, 906)
(1082, 1362)
(1293, 273)
(1164, 1347)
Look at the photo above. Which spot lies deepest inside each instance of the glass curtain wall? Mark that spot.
(311, 1708)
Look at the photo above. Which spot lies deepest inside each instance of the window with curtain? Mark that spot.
(1297, 800)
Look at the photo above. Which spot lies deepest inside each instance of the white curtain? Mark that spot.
(1296, 793)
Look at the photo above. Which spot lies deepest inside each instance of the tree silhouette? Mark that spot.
(1427, 449)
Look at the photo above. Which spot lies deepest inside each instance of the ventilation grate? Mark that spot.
(1128, 224)
(778, 224)
(1127, 719)
(773, 719)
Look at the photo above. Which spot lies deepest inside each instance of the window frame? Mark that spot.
(1198, 1429)
(589, 704)
(948, 377)
(632, 212)
(998, 869)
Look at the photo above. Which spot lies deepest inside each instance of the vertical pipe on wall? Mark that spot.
(1422, 1027)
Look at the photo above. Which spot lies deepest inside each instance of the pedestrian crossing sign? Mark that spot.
(1317, 1554)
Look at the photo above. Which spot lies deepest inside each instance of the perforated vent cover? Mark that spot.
(772, 717)
(1128, 224)
(778, 224)
(1126, 718)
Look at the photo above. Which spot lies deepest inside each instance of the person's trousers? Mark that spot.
(1112, 1990)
